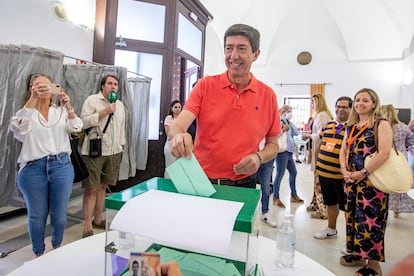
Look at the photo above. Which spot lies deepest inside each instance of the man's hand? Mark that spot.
(182, 145)
(111, 108)
(248, 165)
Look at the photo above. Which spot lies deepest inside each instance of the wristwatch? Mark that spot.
(365, 172)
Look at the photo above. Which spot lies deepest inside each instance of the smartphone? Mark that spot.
(54, 88)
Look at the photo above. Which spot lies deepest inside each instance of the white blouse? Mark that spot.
(41, 137)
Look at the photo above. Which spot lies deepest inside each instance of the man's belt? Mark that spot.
(229, 182)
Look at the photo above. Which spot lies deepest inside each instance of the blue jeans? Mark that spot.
(264, 174)
(284, 160)
(46, 185)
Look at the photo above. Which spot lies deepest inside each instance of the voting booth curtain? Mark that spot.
(79, 81)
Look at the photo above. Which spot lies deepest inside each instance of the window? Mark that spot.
(147, 65)
(140, 20)
(189, 37)
(300, 110)
(191, 76)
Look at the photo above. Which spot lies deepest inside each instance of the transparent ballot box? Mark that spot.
(239, 259)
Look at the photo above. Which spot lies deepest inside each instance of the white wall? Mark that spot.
(385, 77)
(343, 80)
(32, 22)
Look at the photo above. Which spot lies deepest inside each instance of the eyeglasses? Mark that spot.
(338, 128)
(342, 107)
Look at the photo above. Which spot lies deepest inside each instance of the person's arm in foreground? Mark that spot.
(403, 267)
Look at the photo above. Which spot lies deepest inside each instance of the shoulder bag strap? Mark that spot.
(107, 123)
(377, 122)
(376, 133)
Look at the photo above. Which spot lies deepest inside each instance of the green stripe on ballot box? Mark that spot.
(244, 220)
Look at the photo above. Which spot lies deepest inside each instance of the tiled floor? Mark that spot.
(399, 240)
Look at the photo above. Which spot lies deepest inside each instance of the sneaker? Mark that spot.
(328, 233)
(268, 220)
(296, 199)
(278, 202)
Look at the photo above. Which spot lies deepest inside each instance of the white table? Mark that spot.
(303, 264)
(86, 257)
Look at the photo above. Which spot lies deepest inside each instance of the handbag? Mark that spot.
(95, 144)
(79, 167)
(95, 147)
(395, 175)
(282, 140)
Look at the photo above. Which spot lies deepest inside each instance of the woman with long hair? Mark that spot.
(403, 139)
(321, 115)
(366, 208)
(175, 110)
(46, 173)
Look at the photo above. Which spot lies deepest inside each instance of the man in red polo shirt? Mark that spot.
(234, 113)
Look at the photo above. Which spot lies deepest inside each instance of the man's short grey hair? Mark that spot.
(247, 31)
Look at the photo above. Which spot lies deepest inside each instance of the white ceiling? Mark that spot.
(332, 30)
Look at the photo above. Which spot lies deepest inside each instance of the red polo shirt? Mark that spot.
(231, 124)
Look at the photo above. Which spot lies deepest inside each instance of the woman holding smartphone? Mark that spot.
(46, 173)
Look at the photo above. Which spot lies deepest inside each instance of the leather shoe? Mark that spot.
(278, 202)
(296, 199)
